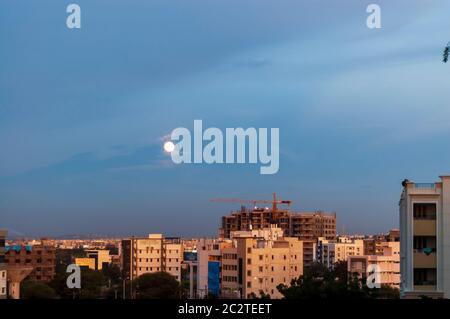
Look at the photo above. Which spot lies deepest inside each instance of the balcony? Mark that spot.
(431, 286)
(423, 260)
(425, 185)
(423, 188)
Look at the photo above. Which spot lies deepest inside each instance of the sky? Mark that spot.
(84, 112)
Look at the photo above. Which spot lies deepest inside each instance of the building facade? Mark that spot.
(3, 272)
(373, 245)
(96, 259)
(258, 262)
(41, 257)
(387, 263)
(425, 239)
(149, 255)
(306, 226)
(331, 252)
(209, 265)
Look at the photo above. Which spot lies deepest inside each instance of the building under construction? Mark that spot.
(307, 226)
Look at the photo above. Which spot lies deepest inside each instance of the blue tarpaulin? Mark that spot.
(213, 277)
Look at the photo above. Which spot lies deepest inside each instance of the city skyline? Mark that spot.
(84, 113)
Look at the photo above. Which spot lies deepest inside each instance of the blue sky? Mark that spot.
(83, 112)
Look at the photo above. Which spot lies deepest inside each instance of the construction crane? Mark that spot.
(274, 201)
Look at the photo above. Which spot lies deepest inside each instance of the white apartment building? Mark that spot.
(333, 252)
(152, 254)
(425, 239)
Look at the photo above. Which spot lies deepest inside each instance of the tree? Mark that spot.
(37, 290)
(93, 285)
(321, 282)
(262, 295)
(159, 285)
(446, 53)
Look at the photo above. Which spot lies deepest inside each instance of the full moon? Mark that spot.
(169, 147)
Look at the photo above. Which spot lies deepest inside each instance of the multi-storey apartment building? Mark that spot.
(425, 239)
(330, 252)
(258, 261)
(209, 265)
(3, 273)
(373, 245)
(40, 257)
(312, 225)
(152, 254)
(387, 262)
(307, 226)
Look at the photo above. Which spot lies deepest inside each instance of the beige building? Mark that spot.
(85, 262)
(387, 262)
(152, 254)
(425, 239)
(258, 261)
(373, 245)
(306, 226)
(332, 252)
(95, 259)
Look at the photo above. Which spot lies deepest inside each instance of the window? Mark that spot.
(426, 244)
(425, 276)
(424, 211)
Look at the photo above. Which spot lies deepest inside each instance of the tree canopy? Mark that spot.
(321, 282)
(37, 290)
(159, 285)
